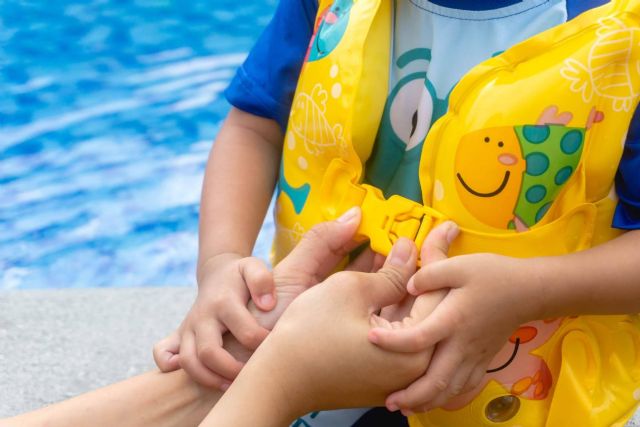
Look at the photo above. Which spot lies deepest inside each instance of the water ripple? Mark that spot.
(107, 114)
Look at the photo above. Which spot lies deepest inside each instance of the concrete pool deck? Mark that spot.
(56, 344)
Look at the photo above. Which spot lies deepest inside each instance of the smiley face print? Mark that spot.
(508, 177)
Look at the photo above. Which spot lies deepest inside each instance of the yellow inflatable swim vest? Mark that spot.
(524, 162)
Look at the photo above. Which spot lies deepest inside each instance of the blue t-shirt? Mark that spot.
(265, 84)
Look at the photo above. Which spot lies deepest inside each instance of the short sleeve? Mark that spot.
(627, 214)
(576, 7)
(265, 83)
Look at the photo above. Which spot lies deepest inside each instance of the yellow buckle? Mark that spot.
(384, 221)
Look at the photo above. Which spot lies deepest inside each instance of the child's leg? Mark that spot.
(151, 399)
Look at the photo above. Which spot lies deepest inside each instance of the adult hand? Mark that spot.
(207, 358)
(467, 309)
(319, 349)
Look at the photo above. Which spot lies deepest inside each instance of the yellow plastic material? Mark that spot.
(524, 162)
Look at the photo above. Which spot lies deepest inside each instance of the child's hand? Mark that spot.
(483, 300)
(315, 257)
(226, 283)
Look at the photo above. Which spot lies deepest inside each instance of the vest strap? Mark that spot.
(384, 221)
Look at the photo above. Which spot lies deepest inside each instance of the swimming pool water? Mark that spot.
(107, 113)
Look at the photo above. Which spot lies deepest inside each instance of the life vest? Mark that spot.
(524, 162)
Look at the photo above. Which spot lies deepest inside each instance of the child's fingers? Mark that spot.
(212, 355)
(259, 281)
(436, 245)
(196, 370)
(456, 385)
(435, 382)
(165, 353)
(413, 339)
(477, 376)
(243, 326)
(438, 275)
(434, 275)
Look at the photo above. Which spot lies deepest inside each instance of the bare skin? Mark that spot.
(347, 374)
(468, 331)
(318, 356)
(227, 275)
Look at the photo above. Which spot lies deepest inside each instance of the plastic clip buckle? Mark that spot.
(384, 221)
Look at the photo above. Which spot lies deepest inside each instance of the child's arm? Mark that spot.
(489, 296)
(240, 178)
(239, 182)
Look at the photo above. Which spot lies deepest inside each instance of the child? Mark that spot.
(434, 44)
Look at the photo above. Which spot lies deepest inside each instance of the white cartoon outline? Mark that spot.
(314, 130)
(584, 78)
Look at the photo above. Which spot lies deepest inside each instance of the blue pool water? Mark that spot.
(107, 113)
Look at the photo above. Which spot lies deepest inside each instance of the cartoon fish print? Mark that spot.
(489, 167)
(308, 122)
(615, 44)
(508, 177)
(330, 28)
(518, 369)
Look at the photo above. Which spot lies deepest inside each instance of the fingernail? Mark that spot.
(373, 337)
(348, 215)
(266, 300)
(225, 387)
(411, 287)
(400, 253)
(452, 232)
(392, 407)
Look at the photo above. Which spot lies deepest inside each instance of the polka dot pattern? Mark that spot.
(291, 141)
(336, 90)
(333, 72)
(571, 142)
(537, 163)
(552, 153)
(536, 134)
(536, 193)
(563, 175)
(543, 211)
(302, 163)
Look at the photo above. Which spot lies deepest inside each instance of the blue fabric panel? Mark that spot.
(576, 7)
(475, 4)
(265, 84)
(627, 214)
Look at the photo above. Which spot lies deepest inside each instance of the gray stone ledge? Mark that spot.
(55, 344)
